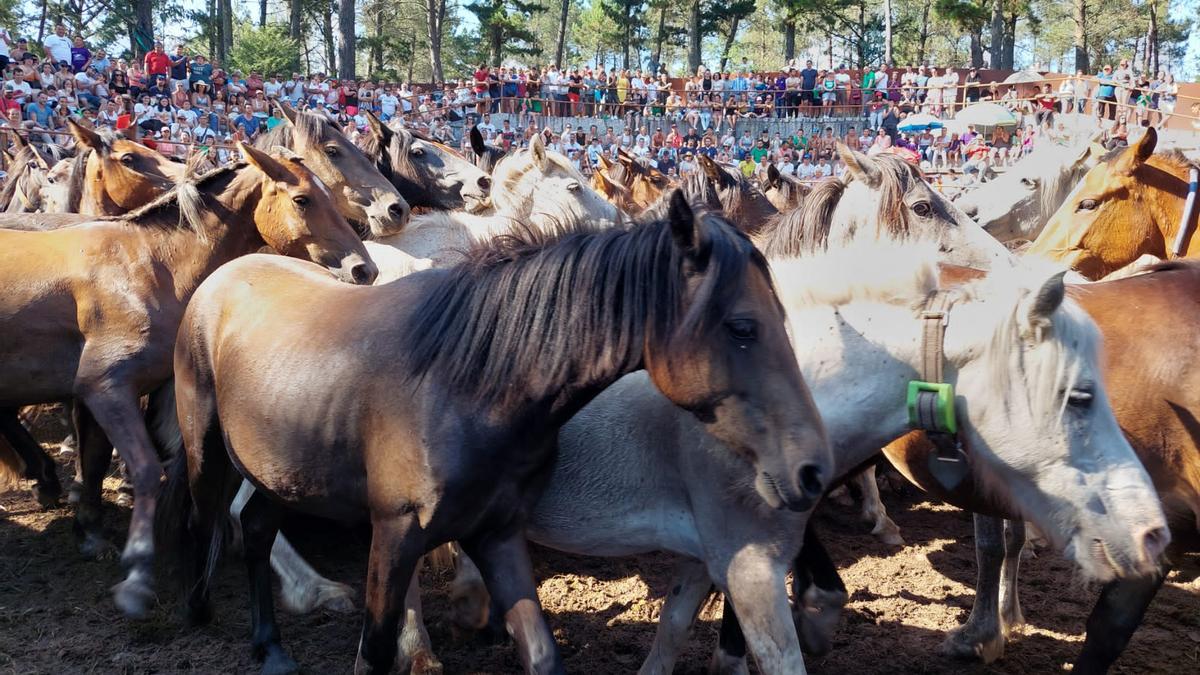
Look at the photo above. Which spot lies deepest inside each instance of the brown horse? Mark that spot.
(90, 312)
(451, 386)
(785, 192)
(427, 174)
(1128, 206)
(362, 194)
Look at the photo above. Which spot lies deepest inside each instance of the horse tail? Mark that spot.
(12, 467)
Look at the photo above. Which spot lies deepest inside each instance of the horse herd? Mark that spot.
(472, 354)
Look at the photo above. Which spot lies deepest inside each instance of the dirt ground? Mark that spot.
(56, 615)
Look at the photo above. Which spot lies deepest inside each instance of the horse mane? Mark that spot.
(182, 205)
(309, 126)
(808, 228)
(1170, 155)
(528, 313)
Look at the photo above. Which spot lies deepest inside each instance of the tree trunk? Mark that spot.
(560, 45)
(1008, 57)
(976, 49)
(213, 26)
(327, 35)
(923, 36)
(375, 55)
(262, 13)
(887, 32)
(1081, 35)
(225, 44)
(733, 29)
(42, 20)
(996, 50)
(436, 12)
(1150, 63)
(626, 29)
(495, 45)
(789, 40)
(346, 40)
(659, 38)
(295, 19)
(143, 28)
(693, 37)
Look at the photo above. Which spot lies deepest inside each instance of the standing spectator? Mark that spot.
(950, 90)
(58, 45)
(1066, 95)
(1168, 93)
(178, 68)
(1045, 106)
(1106, 94)
(808, 83)
(157, 62)
(973, 83)
(6, 45)
(81, 56)
(1123, 77)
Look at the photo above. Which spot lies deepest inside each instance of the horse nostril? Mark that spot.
(485, 182)
(1155, 541)
(363, 274)
(810, 481)
(397, 210)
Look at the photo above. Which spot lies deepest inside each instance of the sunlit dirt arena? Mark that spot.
(56, 612)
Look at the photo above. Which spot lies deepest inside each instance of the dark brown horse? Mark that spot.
(427, 174)
(440, 419)
(91, 312)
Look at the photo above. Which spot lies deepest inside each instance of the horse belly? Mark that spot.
(39, 343)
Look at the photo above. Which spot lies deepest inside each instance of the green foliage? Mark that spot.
(266, 50)
(504, 25)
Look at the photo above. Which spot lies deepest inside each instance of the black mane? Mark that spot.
(526, 314)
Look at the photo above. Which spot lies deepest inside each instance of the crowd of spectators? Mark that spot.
(181, 103)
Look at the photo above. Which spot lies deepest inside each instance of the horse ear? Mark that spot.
(85, 136)
(605, 162)
(19, 140)
(1145, 145)
(710, 168)
(860, 166)
(1042, 305)
(377, 128)
(40, 160)
(289, 113)
(683, 221)
(607, 187)
(537, 149)
(287, 153)
(773, 176)
(477, 144)
(265, 163)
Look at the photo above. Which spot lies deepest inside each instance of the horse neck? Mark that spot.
(1165, 190)
(857, 360)
(225, 230)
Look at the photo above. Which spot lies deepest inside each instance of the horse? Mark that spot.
(495, 354)
(784, 191)
(26, 180)
(486, 156)
(1016, 205)
(368, 200)
(90, 313)
(1128, 206)
(531, 187)
(426, 173)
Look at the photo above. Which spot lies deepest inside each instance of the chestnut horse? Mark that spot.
(1128, 206)
(450, 389)
(91, 312)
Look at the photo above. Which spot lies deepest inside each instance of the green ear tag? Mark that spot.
(931, 407)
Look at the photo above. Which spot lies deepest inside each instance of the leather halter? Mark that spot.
(1189, 211)
(931, 404)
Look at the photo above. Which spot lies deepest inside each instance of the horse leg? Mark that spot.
(1010, 601)
(116, 410)
(260, 520)
(415, 649)
(982, 635)
(92, 463)
(730, 655)
(755, 585)
(689, 588)
(468, 594)
(873, 510)
(503, 559)
(396, 548)
(38, 465)
(819, 595)
(1116, 616)
(302, 589)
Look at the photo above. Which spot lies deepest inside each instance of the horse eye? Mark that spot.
(922, 209)
(126, 159)
(1080, 398)
(742, 330)
(418, 152)
(300, 200)
(1029, 182)
(331, 151)
(573, 186)
(1087, 205)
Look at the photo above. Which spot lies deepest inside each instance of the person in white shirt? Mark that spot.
(823, 169)
(273, 87)
(58, 45)
(406, 98)
(805, 169)
(293, 89)
(785, 166)
(486, 126)
(388, 102)
(950, 89)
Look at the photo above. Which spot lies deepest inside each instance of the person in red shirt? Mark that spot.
(158, 62)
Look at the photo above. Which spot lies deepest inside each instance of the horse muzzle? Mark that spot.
(355, 269)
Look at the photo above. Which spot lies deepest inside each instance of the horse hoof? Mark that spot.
(74, 492)
(47, 495)
(470, 605)
(336, 598)
(133, 598)
(97, 547)
(425, 663)
(962, 644)
(726, 664)
(278, 662)
(817, 619)
(125, 500)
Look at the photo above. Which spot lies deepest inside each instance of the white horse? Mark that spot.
(1017, 204)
